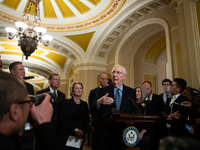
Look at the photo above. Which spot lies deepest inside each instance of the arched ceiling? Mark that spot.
(84, 31)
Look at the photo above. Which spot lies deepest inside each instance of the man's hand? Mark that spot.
(105, 100)
(79, 133)
(197, 120)
(174, 115)
(142, 133)
(187, 103)
(192, 129)
(43, 112)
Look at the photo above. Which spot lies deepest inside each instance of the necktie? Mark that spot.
(117, 99)
(55, 93)
(171, 103)
(148, 98)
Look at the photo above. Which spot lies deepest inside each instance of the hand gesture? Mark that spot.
(105, 100)
(174, 115)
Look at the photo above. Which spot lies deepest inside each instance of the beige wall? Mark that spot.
(173, 61)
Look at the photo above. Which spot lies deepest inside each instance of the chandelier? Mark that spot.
(28, 34)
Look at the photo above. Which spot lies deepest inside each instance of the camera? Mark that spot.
(37, 99)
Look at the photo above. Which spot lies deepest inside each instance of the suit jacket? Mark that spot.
(72, 116)
(29, 88)
(47, 138)
(44, 134)
(178, 127)
(126, 104)
(154, 106)
(91, 101)
(165, 105)
(110, 139)
(61, 97)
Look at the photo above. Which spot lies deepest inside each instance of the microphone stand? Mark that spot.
(135, 106)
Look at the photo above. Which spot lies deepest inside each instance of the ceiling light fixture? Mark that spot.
(29, 35)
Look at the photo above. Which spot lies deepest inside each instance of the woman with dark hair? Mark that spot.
(141, 94)
(146, 135)
(73, 117)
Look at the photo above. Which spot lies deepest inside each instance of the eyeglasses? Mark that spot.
(166, 84)
(22, 102)
(27, 101)
(117, 72)
(103, 78)
(56, 79)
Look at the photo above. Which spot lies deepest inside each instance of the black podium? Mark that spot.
(116, 123)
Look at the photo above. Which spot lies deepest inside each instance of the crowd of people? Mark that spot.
(64, 125)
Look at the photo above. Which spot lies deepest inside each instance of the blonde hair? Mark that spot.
(72, 87)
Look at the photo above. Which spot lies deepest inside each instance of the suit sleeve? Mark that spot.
(46, 137)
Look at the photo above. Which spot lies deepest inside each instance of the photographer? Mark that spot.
(195, 95)
(194, 118)
(15, 107)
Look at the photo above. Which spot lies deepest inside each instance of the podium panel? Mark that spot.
(115, 124)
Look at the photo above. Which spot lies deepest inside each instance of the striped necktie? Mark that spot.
(117, 99)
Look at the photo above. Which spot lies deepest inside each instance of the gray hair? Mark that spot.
(124, 69)
(102, 73)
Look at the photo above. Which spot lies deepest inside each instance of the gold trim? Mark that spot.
(14, 3)
(81, 7)
(98, 19)
(64, 9)
(47, 5)
(94, 2)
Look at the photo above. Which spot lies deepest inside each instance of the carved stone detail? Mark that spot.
(196, 35)
(175, 3)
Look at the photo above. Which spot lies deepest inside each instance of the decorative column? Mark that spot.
(188, 53)
(87, 74)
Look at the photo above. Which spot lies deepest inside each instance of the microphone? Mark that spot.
(137, 111)
(179, 104)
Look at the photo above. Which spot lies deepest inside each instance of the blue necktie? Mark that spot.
(117, 99)
(148, 98)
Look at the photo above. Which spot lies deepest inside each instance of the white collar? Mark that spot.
(174, 97)
(51, 90)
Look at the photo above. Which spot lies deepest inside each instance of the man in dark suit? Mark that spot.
(54, 82)
(153, 101)
(103, 79)
(17, 68)
(166, 95)
(114, 96)
(177, 113)
(154, 105)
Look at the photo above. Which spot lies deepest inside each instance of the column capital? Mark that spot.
(175, 3)
(89, 66)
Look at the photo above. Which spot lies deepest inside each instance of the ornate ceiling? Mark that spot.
(84, 31)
